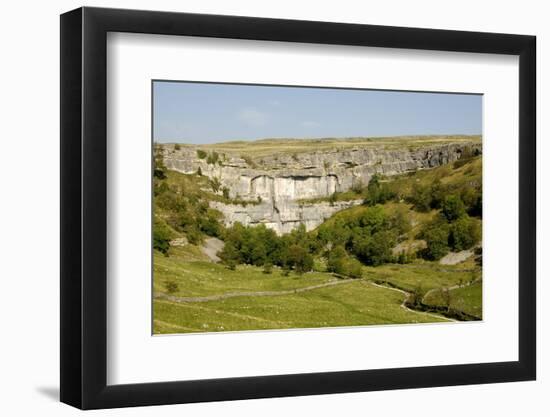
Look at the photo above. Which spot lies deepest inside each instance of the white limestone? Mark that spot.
(281, 181)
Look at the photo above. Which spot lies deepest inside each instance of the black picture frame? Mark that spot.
(84, 207)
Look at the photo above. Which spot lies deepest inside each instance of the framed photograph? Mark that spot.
(259, 208)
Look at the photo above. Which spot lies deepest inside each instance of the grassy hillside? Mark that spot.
(345, 303)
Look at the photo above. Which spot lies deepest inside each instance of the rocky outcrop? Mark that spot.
(279, 182)
(282, 216)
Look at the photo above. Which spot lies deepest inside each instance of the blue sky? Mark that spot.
(209, 113)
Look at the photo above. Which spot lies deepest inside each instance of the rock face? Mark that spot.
(282, 215)
(277, 183)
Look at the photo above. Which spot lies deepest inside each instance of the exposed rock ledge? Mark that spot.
(279, 181)
(284, 217)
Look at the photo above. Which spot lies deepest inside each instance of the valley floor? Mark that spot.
(211, 298)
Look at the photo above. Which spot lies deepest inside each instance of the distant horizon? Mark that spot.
(204, 113)
(315, 138)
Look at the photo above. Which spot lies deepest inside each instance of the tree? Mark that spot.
(258, 254)
(421, 198)
(159, 169)
(436, 237)
(161, 236)
(300, 259)
(199, 171)
(336, 259)
(476, 208)
(453, 208)
(437, 194)
(194, 235)
(353, 268)
(229, 255)
(465, 232)
(400, 221)
(212, 158)
(373, 219)
(375, 249)
(209, 223)
(377, 193)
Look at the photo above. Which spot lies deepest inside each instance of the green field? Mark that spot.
(427, 276)
(342, 303)
(345, 303)
(467, 299)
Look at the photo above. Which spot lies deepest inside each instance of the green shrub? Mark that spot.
(353, 268)
(453, 208)
(225, 192)
(405, 257)
(201, 154)
(300, 259)
(400, 221)
(171, 287)
(209, 223)
(268, 268)
(427, 197)
(159, 169)
(258, 254)
(212, 158)
(377, 193)
(375, 249)
(336, 259)
(215, 184)
(436, 236)
(229, 254)
(475, 205)
(161, 236)
(465, 232)
(231, 264)
(193, 235)
(421, 198)
(415, 296)
(437, 194)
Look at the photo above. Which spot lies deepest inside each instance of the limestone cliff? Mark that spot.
(277, 183)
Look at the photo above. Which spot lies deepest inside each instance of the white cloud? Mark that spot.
(253, 117)
(310, 124)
